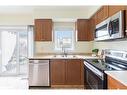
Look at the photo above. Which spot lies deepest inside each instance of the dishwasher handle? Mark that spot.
(38, 61)
(38, 64)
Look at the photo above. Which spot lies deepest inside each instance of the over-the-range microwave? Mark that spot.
(111, 28)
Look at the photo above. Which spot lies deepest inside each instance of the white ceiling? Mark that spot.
(89, 10)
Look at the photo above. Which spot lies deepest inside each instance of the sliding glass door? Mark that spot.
(9, 52)
(14, 50)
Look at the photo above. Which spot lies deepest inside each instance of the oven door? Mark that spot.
(93, 81)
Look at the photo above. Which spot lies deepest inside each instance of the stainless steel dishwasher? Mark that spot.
(38, 72)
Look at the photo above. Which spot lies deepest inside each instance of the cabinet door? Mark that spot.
(43, 30)
(74, 72)
(95, 19)
(102, 14)
(57, 69)
(82, 29)
(115, 9)
(114, 84)
(126, 20)
(105, 12)
(91, 29)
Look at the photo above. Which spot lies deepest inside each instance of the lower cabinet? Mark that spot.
(114, 84)
(57, 69)
(68, 73)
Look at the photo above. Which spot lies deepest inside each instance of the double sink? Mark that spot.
(65, 56)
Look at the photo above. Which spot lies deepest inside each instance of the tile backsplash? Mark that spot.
(116, 45)
(48, 47)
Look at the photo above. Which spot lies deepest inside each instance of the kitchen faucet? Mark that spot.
(64, 51)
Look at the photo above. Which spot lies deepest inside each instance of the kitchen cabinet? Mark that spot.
(67, 73)
(102, 14)
(126, 20)
(43, 30)
(114, 84)
(91, 28)
(74, 72)
(95, 19)
(105, 12)
(115, 9)
(83, 30)
(57, 72)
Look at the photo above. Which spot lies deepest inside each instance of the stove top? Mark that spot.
(104, 66)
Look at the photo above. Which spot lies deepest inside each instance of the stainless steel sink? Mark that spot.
(64, 56)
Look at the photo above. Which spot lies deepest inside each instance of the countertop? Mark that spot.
(53, 56)
(120, 76)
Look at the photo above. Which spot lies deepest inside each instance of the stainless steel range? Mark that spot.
(95, 78)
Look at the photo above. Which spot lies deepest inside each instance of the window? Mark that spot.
(64, 35)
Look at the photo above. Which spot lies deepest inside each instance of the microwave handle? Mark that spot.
(110, 29)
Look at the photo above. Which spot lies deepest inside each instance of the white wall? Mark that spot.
(26, 15)
(16, 19)
(65, 11)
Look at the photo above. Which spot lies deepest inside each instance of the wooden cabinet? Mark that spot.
(105, 12)
(67, 73)
(102, 14)
(114, 9)
(57, 72)
(126, 20)
(82, 30)
(91, 28)
(43, 30)
(114, 84)
(95, 19)
(74, 72)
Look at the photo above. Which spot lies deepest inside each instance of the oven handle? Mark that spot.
(94, 70)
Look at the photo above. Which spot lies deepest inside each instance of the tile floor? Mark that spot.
(13, 82)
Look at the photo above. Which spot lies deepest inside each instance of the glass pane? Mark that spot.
(8, 51)
(64, 39)
(14, 50)
(23, 50)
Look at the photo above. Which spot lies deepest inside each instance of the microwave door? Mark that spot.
(110, 28)
(101, 33)
(116, 25)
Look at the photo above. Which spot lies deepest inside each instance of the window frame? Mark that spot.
(73, 39)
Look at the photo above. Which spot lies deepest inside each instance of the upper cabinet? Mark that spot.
(105, 12)
(102, 14)
(43, 30)
(126, 20)
(83, 31)
(95, 19)
(91, 28)
(115, 9)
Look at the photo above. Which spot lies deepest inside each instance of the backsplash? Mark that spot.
(48, 47)
(82, 47)
(116, 45)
